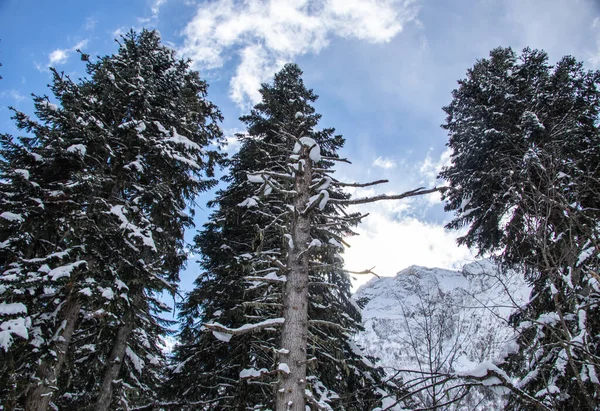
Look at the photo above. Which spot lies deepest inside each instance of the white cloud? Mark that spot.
(560, 27)
(430, 168)
(117, 33)
(594, 58)
(419, 69)
(14, 95)
(267, 33)
(251, 72)
(392, 238)
(155, 7)
(60, 56)
(428, 171)
(397, 234)
(391, 245)
(90, 23)
(384, 162)
(232, 142)
(232, 145)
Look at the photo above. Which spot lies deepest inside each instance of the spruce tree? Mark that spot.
(132, 143)
(232, 351)
(525, 180)
(39, 254)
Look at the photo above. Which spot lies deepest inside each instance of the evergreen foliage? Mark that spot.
(525, 179)
(230, 344)
(93, 209)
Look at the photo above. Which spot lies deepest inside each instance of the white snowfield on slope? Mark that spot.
(458, 317)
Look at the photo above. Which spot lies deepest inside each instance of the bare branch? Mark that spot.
(372, 183)
(413, 193)
(342, 160)
(348, 218)
(363, 272)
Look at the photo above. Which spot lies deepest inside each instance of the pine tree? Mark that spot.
(524, 179)
(209, 368)
(286, 108)
(41, 254)
(282, 206)
(138, 131)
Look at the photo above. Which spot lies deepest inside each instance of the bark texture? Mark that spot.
(294, 336)
(40, 392)
(113, 365)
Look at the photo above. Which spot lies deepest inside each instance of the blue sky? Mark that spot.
(383, 70)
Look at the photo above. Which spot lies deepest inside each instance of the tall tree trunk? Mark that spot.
(40, 393)
(294, 335)
(113, 365)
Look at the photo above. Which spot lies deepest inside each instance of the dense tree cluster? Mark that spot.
(92, 212)
(525, 179)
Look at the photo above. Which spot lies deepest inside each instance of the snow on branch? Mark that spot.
(279, 264)
(253, 373)
(271, 277)
(65, 270)
(259, 177)
(246, 328)
(278, 188)
(322, 198)
(321, 405)
(485, 374)
(488, 374)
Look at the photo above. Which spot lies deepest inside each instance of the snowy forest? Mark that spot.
(100, 187)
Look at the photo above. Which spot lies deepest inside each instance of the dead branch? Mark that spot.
(372, 183)
(417, 192)
(363, 272)
(342, 160)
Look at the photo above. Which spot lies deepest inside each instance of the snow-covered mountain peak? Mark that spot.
(385, 293)
(433, 320)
